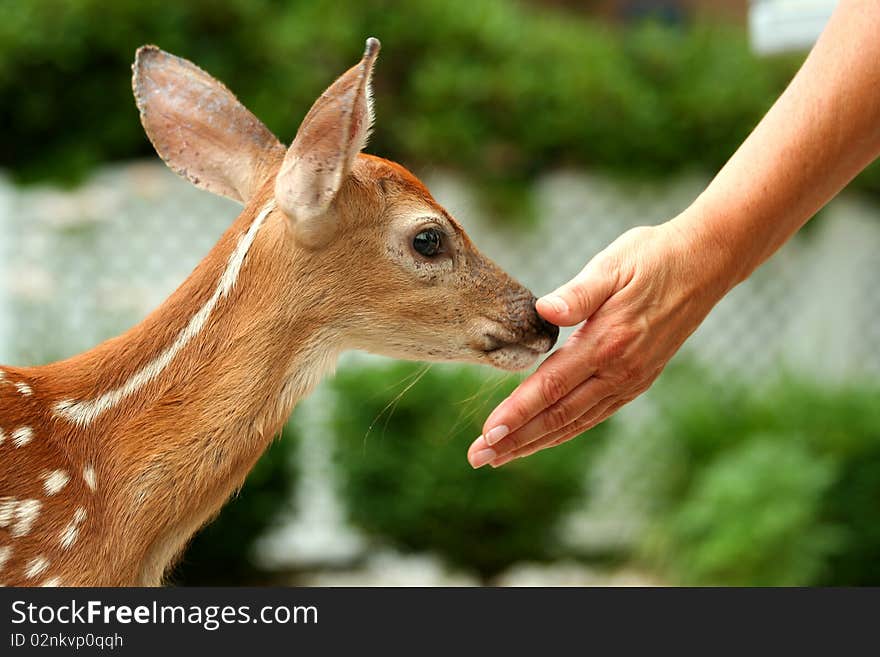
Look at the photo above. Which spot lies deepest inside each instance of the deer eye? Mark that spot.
(428, 243)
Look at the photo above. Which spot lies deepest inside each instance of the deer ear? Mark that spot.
(325, 149)
(199, 127)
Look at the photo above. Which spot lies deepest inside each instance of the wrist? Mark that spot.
(719, 265)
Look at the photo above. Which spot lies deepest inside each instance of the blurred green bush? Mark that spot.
(406, 479)
(753, 516)
(222, 553)
(774, 486)
(499, 89)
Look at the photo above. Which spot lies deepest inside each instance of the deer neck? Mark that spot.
(177, 411)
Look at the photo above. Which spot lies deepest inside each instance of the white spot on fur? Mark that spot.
(53, 582)
(2, 376)
(84, 413)
(7, 510)
(2, 436)
(90, 477)
(5, 553)
(22, 436)
(26, 513)
(20, 515)
(71, 532)
(24, 388)
(36, 566)
(69, 535)
(55, 481)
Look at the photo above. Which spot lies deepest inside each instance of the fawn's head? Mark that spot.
(401, 276)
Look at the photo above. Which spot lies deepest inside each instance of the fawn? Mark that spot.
(111, 460)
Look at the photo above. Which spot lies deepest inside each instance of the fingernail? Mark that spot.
(494, 435)
(481, 458)
(478, 444)
(556, 302)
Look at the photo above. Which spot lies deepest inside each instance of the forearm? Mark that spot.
(822, 131)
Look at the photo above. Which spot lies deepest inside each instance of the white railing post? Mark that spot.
(7, 192)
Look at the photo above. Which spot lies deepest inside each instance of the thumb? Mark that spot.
(582, 296)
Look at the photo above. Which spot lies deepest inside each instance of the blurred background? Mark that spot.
(548, 128)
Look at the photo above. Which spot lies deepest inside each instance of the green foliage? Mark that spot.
(772, 486)
(221, 552)
(752, 517)
(407, 479)
(497, 88)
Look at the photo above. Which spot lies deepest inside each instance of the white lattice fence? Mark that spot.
(77, 267)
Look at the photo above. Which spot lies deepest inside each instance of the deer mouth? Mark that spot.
(515, 355)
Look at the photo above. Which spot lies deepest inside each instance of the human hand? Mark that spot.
(642, 297)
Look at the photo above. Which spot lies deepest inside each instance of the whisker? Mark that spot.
(397, 399)
(466, 413)
(408, 377)
(393, 403)
(480, 391)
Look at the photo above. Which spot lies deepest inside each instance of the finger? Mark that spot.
(557, 376)
(569, 431)
(579, 401)
(582, 296)
(591, 424)
(572, 433)
(480, 453)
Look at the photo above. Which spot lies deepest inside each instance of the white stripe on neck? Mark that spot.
(84, 413)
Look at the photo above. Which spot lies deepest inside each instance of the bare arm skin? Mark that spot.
(651, 288)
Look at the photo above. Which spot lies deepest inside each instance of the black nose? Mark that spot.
(547, 328)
